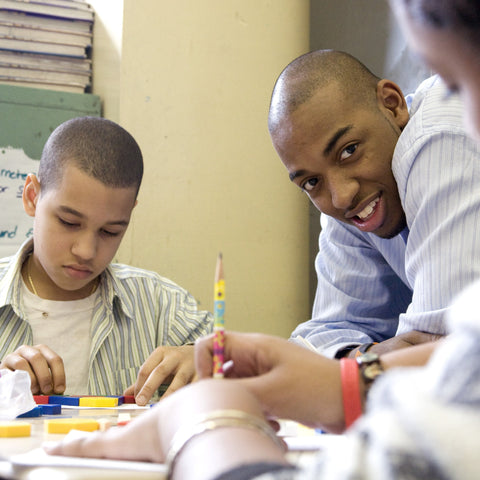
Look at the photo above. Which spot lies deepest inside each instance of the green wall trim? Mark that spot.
(29, 115)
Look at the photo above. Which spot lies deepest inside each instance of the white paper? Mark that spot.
(15, 225)
(39, 458)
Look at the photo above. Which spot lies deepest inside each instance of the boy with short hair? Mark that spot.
(68, 316)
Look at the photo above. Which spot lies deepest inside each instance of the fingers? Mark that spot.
(184, 375)
(149, 377)
(138, 440)
(165, 363)
(240, 357)
(15, 361)
(404, 340)
(278, 373)
(45, 367)
(246, 354)
(130, 390)
(415, 337)
(204, 356)
(57, 370)
(80, 445)
(149, 436)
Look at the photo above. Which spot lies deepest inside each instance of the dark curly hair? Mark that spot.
(461, 16)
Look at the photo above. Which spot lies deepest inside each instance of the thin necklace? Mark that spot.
(30, 281)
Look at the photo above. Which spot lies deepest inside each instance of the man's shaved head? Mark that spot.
(307, 74)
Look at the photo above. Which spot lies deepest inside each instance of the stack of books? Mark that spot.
(46, 44)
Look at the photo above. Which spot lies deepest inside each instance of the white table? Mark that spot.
(13, 465)
(35, 467)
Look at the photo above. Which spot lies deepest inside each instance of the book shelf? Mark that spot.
(46, 44)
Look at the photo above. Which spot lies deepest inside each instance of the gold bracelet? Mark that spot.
(212, 421)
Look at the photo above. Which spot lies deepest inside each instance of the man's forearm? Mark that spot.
(399, 342)
(414, 356)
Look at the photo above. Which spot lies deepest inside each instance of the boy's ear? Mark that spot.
(31, 193)
(390, 97)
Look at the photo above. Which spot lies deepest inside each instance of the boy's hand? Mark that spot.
(45, 367)
(174, 365)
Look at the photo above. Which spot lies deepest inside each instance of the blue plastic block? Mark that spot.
(51, 409)
(34, 412)
(64, 400)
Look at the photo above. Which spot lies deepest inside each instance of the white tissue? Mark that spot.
(15, 394)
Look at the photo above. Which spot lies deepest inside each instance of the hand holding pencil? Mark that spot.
(279, 373)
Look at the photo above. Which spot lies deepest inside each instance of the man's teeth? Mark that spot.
(368, 209)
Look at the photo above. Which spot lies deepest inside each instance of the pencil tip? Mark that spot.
(220, 256)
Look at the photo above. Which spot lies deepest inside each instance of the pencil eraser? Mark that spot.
(98, 402)
(64, 400)
(64, 425)
(51, 409)
(15, 429)
(34, 412)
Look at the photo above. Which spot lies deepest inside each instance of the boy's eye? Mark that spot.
(67, 224)
(110, 234)
(348, 151)
(310, 184)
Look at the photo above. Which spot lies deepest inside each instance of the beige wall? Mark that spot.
(191, 81)
(107, 54)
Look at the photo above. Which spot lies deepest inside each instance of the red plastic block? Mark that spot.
(41, 399)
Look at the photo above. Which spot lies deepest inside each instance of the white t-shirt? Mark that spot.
(64, 326)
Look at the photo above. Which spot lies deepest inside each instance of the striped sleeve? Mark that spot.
(144, 311)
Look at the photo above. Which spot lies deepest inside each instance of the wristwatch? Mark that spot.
(370, 368)
(364, 348)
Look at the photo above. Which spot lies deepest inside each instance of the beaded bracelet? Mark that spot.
(212, 421)
(352, 403)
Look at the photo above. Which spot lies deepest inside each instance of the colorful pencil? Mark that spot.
(219, 322)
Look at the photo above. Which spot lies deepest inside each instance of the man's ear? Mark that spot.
(390, 97)
(31, 193)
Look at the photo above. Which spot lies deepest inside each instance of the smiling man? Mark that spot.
(398, 182)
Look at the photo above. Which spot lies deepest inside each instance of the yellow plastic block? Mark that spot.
(15, 429)
(98, 402)
(64, 425)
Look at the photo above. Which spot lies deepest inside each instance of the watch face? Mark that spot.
(370, 367)
(368, 357)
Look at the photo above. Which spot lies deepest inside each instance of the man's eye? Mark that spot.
(309, 185)
(348, 151)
